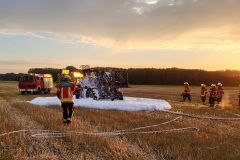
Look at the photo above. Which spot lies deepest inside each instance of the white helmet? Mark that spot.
(219, 84)
(186, 83)
(66, 77)
(213, 85)
(203, 85)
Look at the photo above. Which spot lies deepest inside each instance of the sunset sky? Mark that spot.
(192, 34)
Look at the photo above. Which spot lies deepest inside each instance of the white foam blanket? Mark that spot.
(128, 104)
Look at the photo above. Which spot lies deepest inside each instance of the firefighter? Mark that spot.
(219, 92)
(65, 94)
(213, 95)
(186, 93)
(203, 93)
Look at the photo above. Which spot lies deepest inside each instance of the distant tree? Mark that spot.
(72, 69)
(52, 71)
(154, 76)
(9, 77)
(84, 67)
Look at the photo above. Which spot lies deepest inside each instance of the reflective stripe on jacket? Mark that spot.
(65, 91)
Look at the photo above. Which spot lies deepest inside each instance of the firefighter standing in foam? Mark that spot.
(203, 93)
(213, 95)
(65, 94)
(219, 92)
(186, 93)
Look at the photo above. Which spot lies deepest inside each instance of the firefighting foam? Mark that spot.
(128, 104)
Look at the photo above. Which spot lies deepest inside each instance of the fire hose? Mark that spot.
(50, 133)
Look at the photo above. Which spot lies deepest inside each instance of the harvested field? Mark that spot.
(216, 139)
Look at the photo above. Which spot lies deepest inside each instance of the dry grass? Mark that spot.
(215, 140)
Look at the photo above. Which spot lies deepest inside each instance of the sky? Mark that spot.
(191, 34)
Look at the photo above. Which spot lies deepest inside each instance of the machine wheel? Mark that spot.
(89, 93)
(95, 94)
(39, 91)
(120, 97)
(22, 92)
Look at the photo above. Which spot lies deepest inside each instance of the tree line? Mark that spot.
(153, 76)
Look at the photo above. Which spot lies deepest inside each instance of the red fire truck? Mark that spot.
(35, 83)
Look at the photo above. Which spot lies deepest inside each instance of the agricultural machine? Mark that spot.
(99, 84)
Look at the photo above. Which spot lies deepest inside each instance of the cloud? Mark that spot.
(127, 24)
(22, 66)
(29, 62)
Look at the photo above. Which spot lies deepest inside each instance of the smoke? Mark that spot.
(225, 100)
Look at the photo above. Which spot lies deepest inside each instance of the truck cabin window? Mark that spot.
(27, 79)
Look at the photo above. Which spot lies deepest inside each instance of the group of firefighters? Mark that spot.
(216, 93)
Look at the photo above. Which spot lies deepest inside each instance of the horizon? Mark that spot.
(132, 68)
(123, 34)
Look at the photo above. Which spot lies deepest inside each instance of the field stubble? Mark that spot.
(215, 139)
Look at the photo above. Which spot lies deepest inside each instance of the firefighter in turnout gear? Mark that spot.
(186, 93)
(65, 94)
(213, 95)
(219, 92)
(203, 93)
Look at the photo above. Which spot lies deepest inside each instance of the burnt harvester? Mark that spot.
(98, 84)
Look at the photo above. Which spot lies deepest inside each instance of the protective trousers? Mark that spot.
(187, 96)
(212, 99)
(203, 99)
(67, 112)
(219, 99)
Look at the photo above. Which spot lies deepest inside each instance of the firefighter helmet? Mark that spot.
(203, 85)
(213, 85)
(78, 83)
(186, 83)
(66, 77)
(219, 84)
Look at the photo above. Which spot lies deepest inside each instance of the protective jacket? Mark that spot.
(65, 91)
(204, 91)
(220, 91)
(187, 89)
(213, 92)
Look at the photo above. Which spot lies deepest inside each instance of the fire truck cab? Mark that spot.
(35, 83)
